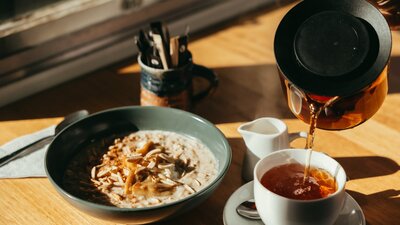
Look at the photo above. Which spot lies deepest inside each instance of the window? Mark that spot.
(46, 42)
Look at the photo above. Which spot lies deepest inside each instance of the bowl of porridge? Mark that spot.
(138, 165)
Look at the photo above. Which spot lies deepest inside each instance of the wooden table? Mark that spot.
(241, 52)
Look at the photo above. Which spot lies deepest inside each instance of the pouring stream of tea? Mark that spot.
(315, 110)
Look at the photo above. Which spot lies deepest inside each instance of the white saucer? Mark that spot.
(351, 213)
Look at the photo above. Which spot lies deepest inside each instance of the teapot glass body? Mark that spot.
(332, 57)
(344, 113)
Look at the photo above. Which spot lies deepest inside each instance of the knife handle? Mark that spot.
(23, 151)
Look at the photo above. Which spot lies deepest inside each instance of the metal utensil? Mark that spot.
(248, 210)
(69, 119)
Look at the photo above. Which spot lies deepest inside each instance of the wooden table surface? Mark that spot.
(241, 52)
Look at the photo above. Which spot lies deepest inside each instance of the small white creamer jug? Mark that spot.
(263, 136)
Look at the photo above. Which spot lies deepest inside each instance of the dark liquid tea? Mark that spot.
(344, 113)
(315, 110)
(288, 180)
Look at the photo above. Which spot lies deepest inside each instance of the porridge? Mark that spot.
(148, 168)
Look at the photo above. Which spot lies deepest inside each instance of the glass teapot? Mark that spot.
(336, 52)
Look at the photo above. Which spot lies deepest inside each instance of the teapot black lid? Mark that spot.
(332, 47)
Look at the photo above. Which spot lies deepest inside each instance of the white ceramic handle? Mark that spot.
(301, 134)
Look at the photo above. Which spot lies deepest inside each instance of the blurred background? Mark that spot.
(46, 42)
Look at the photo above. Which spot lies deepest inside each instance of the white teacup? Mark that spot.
(263, 136)
(278, 210)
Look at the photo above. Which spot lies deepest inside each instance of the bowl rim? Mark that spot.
(117, 209)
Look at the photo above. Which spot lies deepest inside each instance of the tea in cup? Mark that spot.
(283, 196)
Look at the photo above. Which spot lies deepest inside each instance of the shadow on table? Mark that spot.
(379, 208)
(367, 166)
(387, 195)
(244, 93)
(394, 75)
(377, 204)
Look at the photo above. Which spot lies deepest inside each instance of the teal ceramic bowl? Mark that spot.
(69, 142)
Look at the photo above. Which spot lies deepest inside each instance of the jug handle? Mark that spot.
(301, 134)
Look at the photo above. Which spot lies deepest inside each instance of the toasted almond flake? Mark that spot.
(153, 200)
(96, 182)
(145, 148)
(145, 203)
(134, 157)
(106, 183)
(119, 145)
(126, 149)
(166, 157)
(165, 165)
(116, 196)
(118, 190)
(151, 165)
(152, 152)
(126, 172)
(168, 173)
(111, 154)
(188, 188)
(120, 178)
(102, 173)
(162, 176)
(168, 182)
(114, 177)
(118, 184)
(114, 168)
(101, 165)
(93, 172)
(197, 182)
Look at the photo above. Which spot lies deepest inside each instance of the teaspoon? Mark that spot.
(248, 210)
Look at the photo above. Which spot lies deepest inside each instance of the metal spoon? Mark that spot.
(69, 119)
(248, 210)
